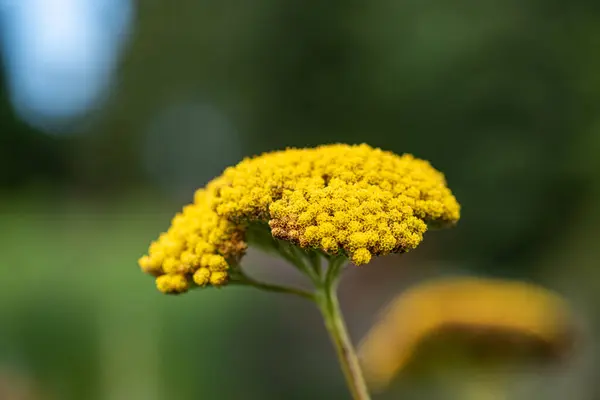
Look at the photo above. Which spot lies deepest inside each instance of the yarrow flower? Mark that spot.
(199, 246)
(355, 201)
(332, 203)
(499, 321)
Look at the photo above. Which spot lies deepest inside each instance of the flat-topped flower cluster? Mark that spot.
(357, 201)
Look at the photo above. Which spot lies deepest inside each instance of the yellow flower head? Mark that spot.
(355, 200)
(490, 315)
(199, 247)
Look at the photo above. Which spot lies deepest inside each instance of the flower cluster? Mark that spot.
(355, 200)
(199, 246)
(361, 200)
(514, 317)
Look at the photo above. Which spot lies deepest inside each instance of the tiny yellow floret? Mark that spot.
(202, 276)
(218, 278)
(149, 265)
(216, 262)
(172, 284)
(361, 256)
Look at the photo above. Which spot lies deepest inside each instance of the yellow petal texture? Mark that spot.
(470, 306)
(354, 199)
(366, 201)
(199, 246)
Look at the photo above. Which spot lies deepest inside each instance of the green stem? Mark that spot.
(315, 261)
(297, 258)
(325, 296)
(243, 279)
(334, 322)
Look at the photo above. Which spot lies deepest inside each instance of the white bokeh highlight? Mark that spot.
(60, 55)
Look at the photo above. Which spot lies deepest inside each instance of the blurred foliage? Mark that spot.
(500, 95)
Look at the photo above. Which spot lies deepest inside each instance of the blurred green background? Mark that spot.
(502, 96)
